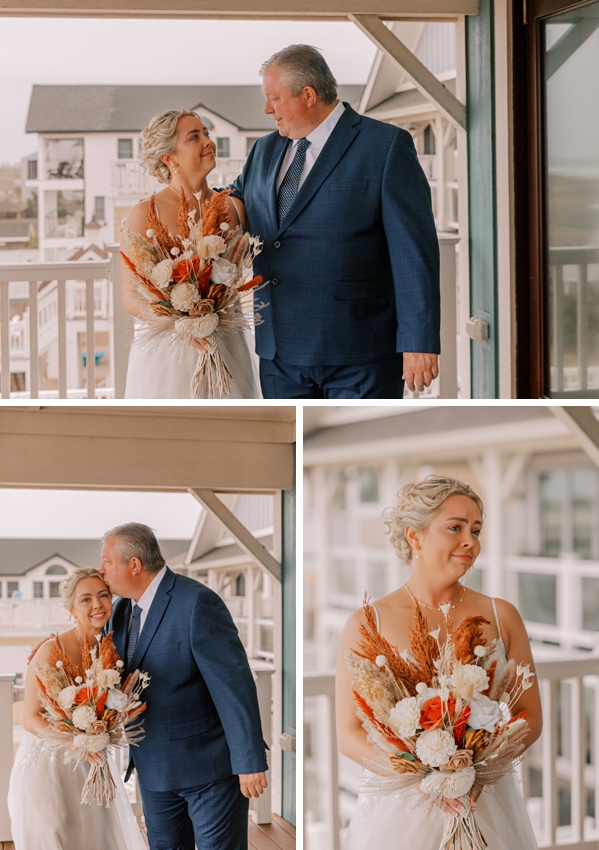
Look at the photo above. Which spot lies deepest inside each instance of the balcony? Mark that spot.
(129, 179)
(565, 760)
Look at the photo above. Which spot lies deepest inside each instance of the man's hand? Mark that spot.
(419, 370)
(252, 784)
(40, 644)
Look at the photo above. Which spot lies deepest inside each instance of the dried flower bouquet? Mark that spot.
(191, 286)
(439, 715)
(88, 711)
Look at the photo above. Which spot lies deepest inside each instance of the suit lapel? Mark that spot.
(155, 614)
(271, 180)
(336, 145)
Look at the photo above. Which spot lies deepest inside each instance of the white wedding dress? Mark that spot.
(166, 370)
(46, 812)
(388, 822)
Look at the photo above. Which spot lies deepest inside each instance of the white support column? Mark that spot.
(463, 257)
(493, 531)
(261, 808)
(276, 755)
(5, 339)
(424, 80)
(122, 325)
(252, 547)
(6, 751)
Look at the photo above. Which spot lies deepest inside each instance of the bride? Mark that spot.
(44, 796)
(178, 151)
(436, 527)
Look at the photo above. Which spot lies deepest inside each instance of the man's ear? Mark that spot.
(136, 566)
(310, 96)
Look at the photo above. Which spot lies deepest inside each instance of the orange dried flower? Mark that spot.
(433, 711)
(86, 695)
(186, 270)
(215, 212)
(467, 636)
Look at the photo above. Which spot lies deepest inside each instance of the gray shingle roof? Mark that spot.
(18, 556)
(429, 421)
(113, 109)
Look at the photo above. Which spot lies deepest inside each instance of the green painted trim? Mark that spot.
(480, 77)
(289, 652)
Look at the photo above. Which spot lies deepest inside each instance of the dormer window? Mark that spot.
(125, 148)
(56, 570)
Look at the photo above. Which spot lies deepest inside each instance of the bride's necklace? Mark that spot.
(430, 607)
(79, 638)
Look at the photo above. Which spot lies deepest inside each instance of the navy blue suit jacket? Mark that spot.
(202, 721)
(356, 259)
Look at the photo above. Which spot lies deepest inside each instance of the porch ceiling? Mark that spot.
(257, 9)
(226, 449)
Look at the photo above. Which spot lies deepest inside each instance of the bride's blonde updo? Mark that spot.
(67, 586)
(159, 139)
(418, 504)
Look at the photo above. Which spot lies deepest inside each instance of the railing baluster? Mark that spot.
(577, 758)
(558, 327)
(583, 324)
(61, 318)
(34, 363)
(549, 748)
(5, 339)
(91, 340)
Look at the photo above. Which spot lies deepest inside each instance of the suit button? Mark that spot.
(277, 244)
(274, 280)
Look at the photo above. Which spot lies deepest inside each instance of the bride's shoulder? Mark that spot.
(136, 219)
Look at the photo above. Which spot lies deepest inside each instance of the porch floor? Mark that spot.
(278, 835)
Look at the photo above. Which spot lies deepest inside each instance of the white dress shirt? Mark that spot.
(317, 139)
(147, 598)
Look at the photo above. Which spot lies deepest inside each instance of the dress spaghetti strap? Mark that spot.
(496, 618)
(376, 614)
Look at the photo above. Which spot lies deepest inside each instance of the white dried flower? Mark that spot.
(199, 327)
(116, 699)
(480, 651)
(484, 713)
(380, 661)
(450, 785)
(84, 716)
(120, 664)
(92, 743)
(435, 633)
(435, 747)
(162, 274)
(78, 679)
(223, 271)
(469, 680)
(505, 697)
(66, 697)
(421, 688)
(150, 234)
(405, 717)
(212, 247)
(59, 664)
(224, 226)
(184, 296)
(175, 251)
(108, 678)
(446, 608)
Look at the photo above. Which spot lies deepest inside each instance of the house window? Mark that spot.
(369, 485)
(240, 585)
(568, 509)
(344, 576)
(12, 587)
(38, 589)
(537, 597)
(64, 159)
(54, 589)
(222, 148)
(429, 140)
(32, 169)
(375, 571)
(125, 148)
(56, 570)
(249, 143)
(99, 214)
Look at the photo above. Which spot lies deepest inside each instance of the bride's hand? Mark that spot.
(200, 344)
(455, 807)
(92, 758)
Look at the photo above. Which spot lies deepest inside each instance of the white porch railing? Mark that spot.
(45, 615)
(128, 178)
(20, 340)
(261, 809)
(567, 756)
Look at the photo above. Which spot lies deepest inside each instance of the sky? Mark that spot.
(87, 514)
(72, 51)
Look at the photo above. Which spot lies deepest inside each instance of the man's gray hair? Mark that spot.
(135, 540)
(302, 65)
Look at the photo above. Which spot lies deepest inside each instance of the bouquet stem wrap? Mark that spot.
(211, 378)
(99, 784)
(462, 832)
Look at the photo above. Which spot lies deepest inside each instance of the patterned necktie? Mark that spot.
(133, 633)
(289, 186)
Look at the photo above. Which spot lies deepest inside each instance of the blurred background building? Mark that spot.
(536, 469)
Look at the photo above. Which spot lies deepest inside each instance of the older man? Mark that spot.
(350, 247)
(203, 754)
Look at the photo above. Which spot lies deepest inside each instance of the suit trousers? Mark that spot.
(211, 817)
(381, 379)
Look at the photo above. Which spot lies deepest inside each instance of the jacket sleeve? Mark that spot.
(413, 248)
(223, 663)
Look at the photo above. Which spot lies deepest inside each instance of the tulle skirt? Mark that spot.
(390, 823)
(44, 801)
